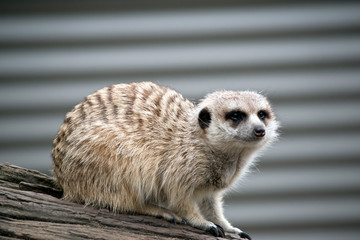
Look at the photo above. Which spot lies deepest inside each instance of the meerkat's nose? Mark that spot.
(259, 131)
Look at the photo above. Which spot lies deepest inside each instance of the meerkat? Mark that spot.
(144, 148)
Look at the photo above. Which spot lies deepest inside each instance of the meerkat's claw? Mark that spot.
(216, 230)
(245, 235)
(221, 230)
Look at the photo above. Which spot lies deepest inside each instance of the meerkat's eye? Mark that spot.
(236, 116)
(263, 114)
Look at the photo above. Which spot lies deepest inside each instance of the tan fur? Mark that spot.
(139, 148)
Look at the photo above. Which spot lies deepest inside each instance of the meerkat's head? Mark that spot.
(236, 120)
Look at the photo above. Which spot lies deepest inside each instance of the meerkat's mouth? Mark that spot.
(250, 139)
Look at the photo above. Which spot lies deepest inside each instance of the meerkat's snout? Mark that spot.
(259, 131)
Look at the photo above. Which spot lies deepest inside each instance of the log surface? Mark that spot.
(31, 208)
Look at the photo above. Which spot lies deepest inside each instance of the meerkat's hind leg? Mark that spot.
(160, 212)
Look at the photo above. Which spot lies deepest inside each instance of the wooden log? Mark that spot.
(31, 208)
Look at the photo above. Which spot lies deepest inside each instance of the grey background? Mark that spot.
(304, 55)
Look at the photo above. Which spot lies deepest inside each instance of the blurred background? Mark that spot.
(303, 55)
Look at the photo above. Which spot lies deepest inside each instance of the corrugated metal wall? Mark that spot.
(304, 56)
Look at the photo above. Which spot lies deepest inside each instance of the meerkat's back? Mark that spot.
(117, 129)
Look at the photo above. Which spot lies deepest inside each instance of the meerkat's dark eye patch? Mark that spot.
(204, 118)
(262, 114)
(236, 116)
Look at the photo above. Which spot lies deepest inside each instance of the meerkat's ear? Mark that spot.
(204, 118)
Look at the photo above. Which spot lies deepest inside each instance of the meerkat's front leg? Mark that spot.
(211, 208)
(188, 210)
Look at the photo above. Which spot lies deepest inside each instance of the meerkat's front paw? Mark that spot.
(242, 234)
(210, 227)
(216, 230)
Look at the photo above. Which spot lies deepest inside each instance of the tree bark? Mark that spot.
(31, 208)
